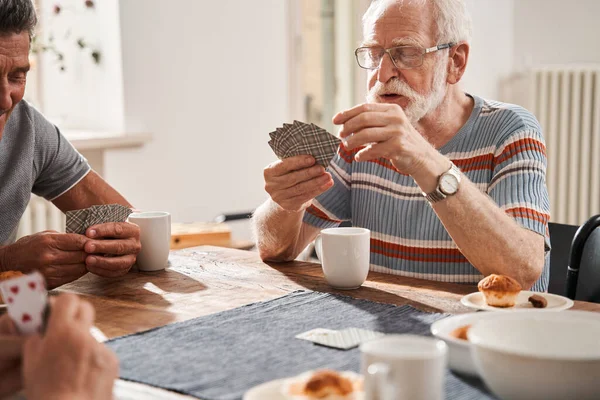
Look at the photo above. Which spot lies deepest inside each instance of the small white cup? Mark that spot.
(345, 256)
(404, 367)
(155, 237)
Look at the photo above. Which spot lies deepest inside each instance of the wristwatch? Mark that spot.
(448, 184)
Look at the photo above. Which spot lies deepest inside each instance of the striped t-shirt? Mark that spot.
(500, 149)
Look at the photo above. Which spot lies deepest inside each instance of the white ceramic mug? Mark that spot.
(345, 256)
(404, 367)
(155, 237)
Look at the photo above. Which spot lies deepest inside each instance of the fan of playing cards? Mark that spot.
(301, 138)
(79, 220)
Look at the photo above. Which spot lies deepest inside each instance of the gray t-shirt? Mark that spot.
(34, 158)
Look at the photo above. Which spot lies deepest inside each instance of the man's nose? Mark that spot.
(5, 96)
(387, 70)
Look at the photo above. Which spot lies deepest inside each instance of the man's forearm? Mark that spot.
(91, 190)
(277, 232)
(489, 238)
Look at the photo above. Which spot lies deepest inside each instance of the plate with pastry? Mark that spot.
(5, 276)
(503, 293)
(312, 385)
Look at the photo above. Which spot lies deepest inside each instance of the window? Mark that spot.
(325, 78)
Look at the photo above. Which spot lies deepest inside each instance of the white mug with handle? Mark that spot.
(155, 237)
(404, 367)
(345, 256)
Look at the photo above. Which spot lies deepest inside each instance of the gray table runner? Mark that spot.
(220, 356)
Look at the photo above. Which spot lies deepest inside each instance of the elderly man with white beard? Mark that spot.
(452, 186)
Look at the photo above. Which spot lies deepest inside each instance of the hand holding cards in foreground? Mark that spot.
(51, 354)
(11, 346)
(67, 362)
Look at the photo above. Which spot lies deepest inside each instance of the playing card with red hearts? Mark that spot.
(26, 298)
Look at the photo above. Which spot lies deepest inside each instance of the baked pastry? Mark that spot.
(499, 290)
(8, 275)
(325, 385)
(538, 301)
(460, 332)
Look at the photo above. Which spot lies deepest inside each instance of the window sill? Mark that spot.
(95, 140)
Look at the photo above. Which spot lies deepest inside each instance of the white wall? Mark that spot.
(86, 95)
(209, 80)
(491, 56)
(556, 32)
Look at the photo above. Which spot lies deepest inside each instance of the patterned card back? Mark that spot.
(78, 221)
(301, 138)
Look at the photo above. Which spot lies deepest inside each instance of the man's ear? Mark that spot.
(457, 62)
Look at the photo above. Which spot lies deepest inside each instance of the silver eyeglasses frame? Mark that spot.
(425, 51)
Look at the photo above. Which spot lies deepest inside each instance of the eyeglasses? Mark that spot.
(403, 57)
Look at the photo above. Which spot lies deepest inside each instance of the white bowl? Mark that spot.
(459, 351)
(539, 355)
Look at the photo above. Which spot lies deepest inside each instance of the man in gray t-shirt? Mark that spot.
(36, 158)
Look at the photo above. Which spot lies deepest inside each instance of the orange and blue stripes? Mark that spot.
(500, 149)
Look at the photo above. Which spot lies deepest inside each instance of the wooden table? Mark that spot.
(206, 280)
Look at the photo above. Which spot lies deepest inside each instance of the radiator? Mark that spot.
(40, 215)
(566, 101)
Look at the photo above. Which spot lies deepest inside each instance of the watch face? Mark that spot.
(448, 184)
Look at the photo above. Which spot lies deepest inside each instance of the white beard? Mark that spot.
(419, 105)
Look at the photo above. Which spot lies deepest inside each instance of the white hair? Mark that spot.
(452, 18)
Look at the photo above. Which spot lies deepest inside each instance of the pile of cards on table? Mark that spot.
(343, 339)
(78, 221)
(301, 138)
(26, 298)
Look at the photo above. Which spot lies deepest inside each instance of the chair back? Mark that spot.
(583, 275)
(561, 236)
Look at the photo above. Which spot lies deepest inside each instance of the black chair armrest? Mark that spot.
(577, 246)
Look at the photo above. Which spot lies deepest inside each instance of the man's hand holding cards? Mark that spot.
(305, 150)
(113, 243)
(101, 242)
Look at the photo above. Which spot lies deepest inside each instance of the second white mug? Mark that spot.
(404, 367)
(345, 256)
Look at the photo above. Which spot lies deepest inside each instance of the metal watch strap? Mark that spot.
(437, 194)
